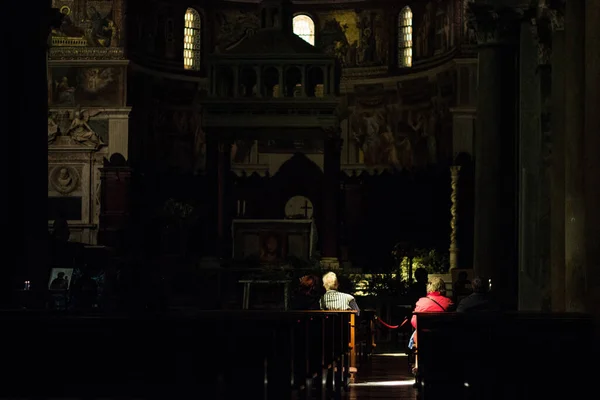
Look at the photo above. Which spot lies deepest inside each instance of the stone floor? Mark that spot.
(386, 376)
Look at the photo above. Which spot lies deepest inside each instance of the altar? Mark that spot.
(273, 241)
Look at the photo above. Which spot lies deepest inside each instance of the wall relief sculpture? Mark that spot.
(95, 23)
(81, 132)
(64, 179)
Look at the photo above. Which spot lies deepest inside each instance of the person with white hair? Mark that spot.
(334, 300)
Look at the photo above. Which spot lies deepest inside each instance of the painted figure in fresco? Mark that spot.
(67, 27)
(333, 41)
(65, 93)
(101, 32)
(96, 79)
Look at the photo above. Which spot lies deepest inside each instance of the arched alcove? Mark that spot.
(293, 82)
(224, 81)
(314, 79)
(247, 82)
(270, 79)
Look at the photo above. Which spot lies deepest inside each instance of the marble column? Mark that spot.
(331, 200)
(557, 184)
(575, 240)
(591, 154)
(495, 222)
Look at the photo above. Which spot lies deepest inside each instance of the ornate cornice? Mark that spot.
(494, 26)
(87, 53)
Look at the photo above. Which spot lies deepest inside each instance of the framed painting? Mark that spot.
(98, 86)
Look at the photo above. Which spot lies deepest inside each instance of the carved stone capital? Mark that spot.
(555, 10)
(493, 26)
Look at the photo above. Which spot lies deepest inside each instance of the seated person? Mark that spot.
(308, 294)
(479, 300)
(435, 301)
(334, 300)
(461, 288)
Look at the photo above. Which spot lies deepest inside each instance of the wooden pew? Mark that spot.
(210, 354)
(504, 356)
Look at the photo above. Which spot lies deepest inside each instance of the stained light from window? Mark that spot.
(304, 27)
(191, 39)
(405, 39)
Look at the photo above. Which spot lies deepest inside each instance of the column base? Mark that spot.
(331, 263)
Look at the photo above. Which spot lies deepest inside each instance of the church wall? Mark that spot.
(88, 112)
(390, 118)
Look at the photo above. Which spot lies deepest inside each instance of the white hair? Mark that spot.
(330, 281)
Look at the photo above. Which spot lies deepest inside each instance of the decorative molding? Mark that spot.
(366, 72)
(494, 26)
(454, 174)
(86, 53)
(330, 263)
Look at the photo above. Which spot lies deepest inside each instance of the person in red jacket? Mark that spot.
(435, 301)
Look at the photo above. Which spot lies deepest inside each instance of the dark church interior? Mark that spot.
(302, 199)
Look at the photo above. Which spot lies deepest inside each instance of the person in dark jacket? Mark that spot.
(479, 300)
(308, 294)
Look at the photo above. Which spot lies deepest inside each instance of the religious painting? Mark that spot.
(272, 241)
(87, 23)
(60, 279)
(234, 25)
(356, 39)
(291, 146)
(272, 247)
(424, 32)
(87, 86)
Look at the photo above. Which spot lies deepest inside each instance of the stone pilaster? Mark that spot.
(575, 240)
(495, 223)
(331, 197)
(557, 183)
(118, 132)
(591, 159)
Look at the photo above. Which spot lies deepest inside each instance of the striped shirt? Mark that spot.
(334, 300)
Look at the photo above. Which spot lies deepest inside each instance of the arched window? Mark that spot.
(405, 37)
(304, 27)
(191, 39)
